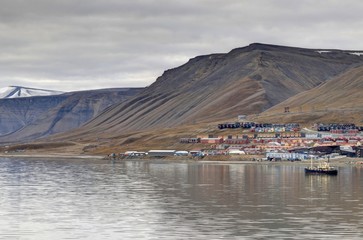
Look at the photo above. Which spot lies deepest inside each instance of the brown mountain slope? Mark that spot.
(337, 100)
(220, 86)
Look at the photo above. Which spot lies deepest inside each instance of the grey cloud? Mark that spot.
(113, 43)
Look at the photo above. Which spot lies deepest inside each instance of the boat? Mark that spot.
(322, 168)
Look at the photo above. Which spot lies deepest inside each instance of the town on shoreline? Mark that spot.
(267, 142)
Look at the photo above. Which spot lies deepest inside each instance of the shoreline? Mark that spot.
(334, 162)
(53, 156)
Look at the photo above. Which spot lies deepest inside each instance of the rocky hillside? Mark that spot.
(220, 86)
(19, 112)
(30, 118)
(338, 100)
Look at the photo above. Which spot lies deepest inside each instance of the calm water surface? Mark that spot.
(60, 199)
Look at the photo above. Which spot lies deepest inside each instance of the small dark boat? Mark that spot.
(317, 170)
(323, 168)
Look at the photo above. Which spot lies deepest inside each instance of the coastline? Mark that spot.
(52, 156)
(338, 162)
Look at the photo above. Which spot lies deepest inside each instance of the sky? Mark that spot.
(73, 45)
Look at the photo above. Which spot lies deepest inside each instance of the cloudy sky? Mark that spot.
(88, 44)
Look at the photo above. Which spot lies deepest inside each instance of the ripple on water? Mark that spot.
(147, 200)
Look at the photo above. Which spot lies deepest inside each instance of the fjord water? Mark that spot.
(79, 199)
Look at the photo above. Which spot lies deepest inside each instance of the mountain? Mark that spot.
(23, 119)
(217, 87)
(191, 99)
(337, 100)
(19, 92)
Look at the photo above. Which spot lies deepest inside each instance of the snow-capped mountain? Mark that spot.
(18, 92)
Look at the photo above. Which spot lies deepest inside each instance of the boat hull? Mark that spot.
(321, 171)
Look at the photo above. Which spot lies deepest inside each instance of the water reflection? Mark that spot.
(163, 200)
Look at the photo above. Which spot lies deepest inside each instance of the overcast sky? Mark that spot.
(88, 44)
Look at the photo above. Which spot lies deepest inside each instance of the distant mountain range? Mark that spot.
(24, 119)
(19, 92)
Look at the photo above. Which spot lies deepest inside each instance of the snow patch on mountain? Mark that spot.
(19, 92)
(356, 53)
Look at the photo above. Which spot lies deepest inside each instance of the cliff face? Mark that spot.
(34, 117)
(220, 86)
